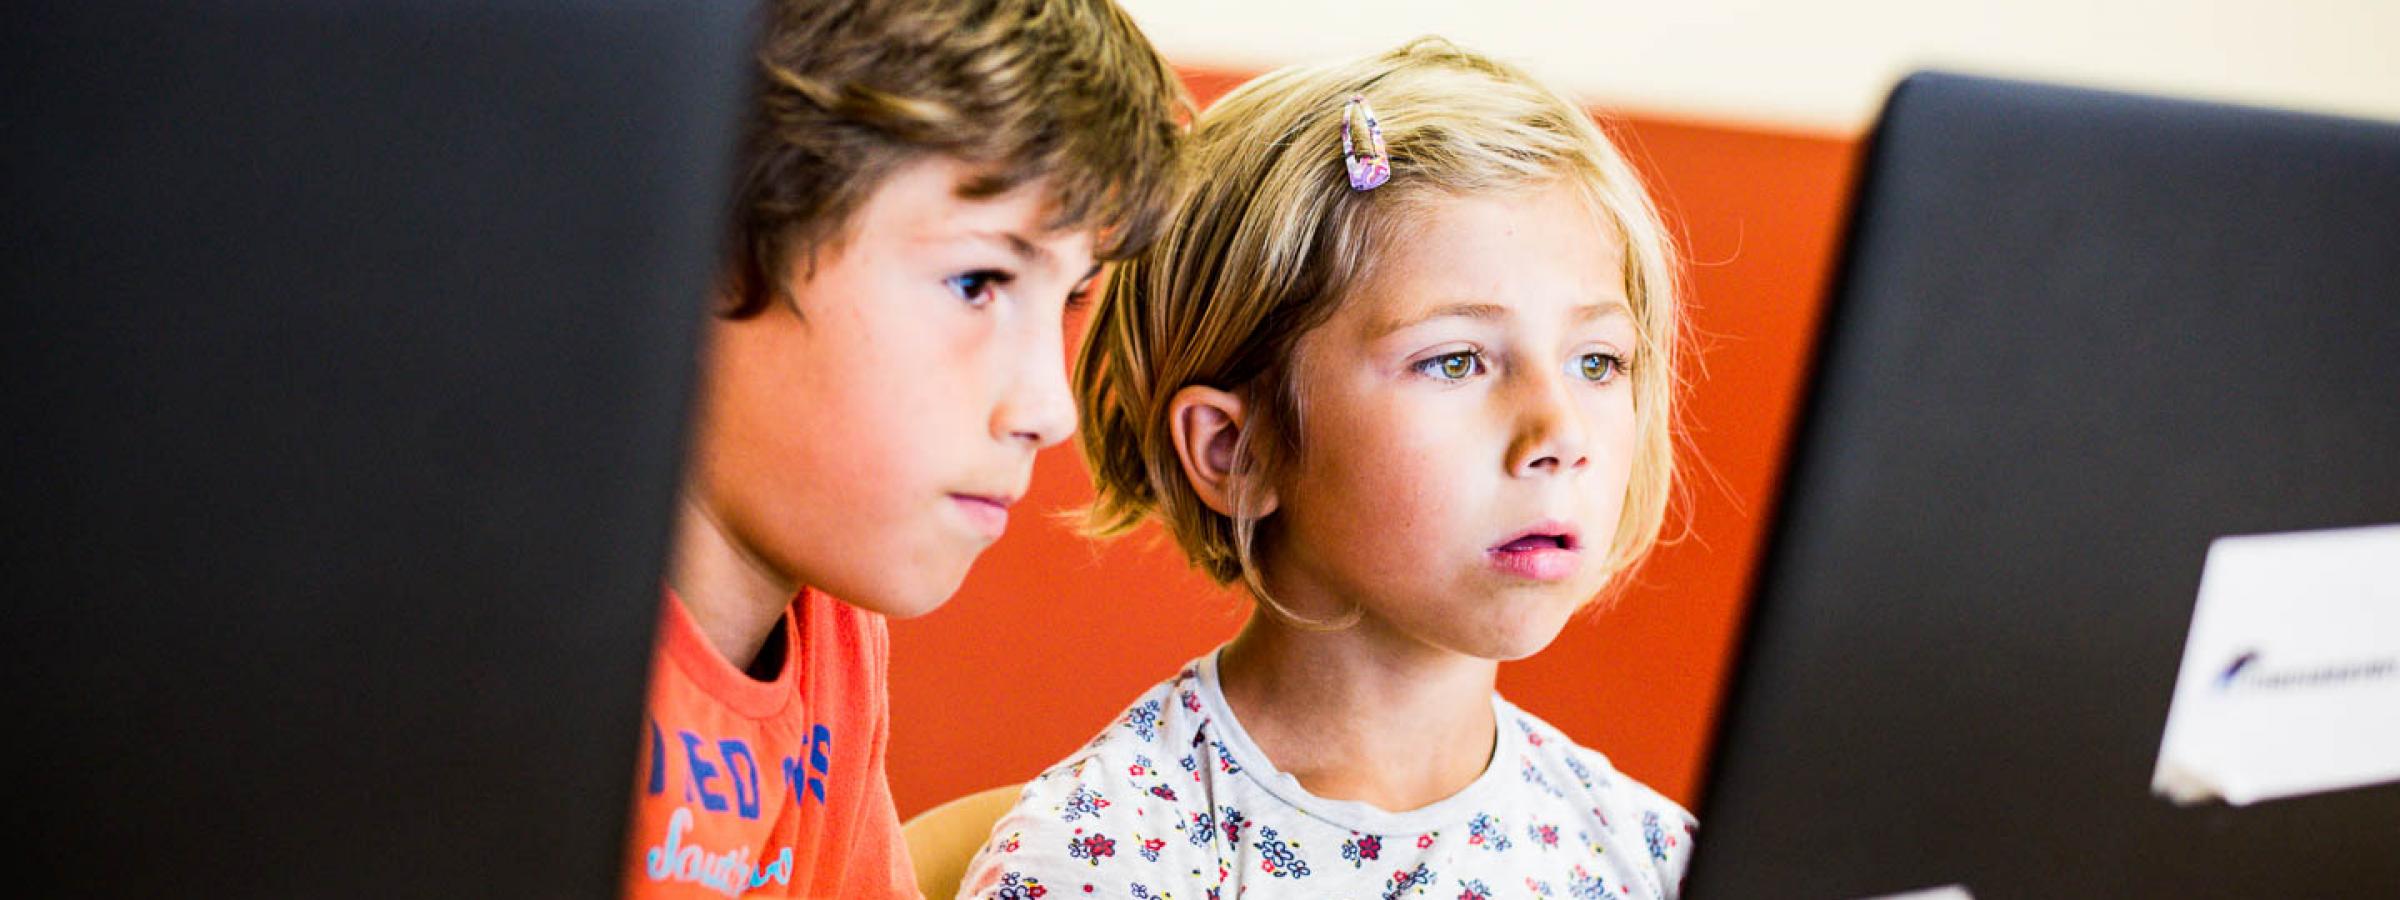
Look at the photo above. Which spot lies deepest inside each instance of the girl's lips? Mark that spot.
(1545, 552)
(1536, 542)
(1545, 533)
(1535, 560)
(988, 515)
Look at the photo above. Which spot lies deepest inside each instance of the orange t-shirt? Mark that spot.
(769, 788)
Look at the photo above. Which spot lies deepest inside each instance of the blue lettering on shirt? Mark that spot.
(732, 761)
(702, 772)
(742, 769)
(658, 760)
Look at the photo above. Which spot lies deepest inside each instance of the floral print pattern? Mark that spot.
(1222, 823)
(1362, 847)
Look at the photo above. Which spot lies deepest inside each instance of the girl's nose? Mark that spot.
(1550, 435)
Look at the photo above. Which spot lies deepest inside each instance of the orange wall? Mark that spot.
(1052, 635)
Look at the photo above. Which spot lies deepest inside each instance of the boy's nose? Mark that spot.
(1038, 409)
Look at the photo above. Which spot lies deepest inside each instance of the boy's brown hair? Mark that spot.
(849, 90)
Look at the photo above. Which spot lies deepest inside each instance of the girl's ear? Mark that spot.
(1206, 425)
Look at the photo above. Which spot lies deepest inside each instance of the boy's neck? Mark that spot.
(1362, 713)
(732, 595)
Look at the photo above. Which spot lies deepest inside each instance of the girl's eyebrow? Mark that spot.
(1588, 312)
(1591, 312)
(1485, 311)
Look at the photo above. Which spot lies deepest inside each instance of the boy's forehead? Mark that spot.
(927, 203)
(1058, 252)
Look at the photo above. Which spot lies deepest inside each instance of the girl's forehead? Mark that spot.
(1482, 234)
(1491, 257)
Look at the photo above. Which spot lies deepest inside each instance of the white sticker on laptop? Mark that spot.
(2291, 676)
(1945, 892)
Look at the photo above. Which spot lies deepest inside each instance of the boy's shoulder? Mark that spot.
(788, 771)
(821, 648)
(840, 630)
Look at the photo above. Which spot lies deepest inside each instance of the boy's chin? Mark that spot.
(902, 599)
(909, 609)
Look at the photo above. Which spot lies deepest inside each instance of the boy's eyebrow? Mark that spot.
(1488, 311)
(1027, 252)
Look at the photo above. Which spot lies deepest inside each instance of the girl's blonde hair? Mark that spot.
(1269, 240)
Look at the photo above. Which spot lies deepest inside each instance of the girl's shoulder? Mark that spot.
(1170, 711)
(1556, 770)
(1543, 751)
(1115, 815)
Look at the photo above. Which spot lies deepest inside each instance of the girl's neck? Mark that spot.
(731, 594)
(1363, 713)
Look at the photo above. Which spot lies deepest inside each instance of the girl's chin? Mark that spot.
(1507, 641)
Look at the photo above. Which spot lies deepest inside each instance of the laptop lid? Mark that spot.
(349, 351)
(2076, 337)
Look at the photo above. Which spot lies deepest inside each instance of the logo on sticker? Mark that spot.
(2247, 673)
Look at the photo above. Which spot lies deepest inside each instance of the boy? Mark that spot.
(925, 187)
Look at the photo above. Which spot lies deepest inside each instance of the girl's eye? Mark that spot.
(1599, 368)
(978, 287)
(1457, 366)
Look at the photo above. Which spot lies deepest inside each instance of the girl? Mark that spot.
(1408, 381)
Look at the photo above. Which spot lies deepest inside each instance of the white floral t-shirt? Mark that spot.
(1172, 800)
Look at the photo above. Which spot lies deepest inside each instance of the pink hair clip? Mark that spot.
(1370, 166)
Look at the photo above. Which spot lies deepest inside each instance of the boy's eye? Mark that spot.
(1599, 368)
(977, 288)
(1453, 366)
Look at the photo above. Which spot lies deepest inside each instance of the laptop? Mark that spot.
(349, 349)
(2076, 337)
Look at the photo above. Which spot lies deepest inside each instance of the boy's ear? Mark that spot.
(1206, 425)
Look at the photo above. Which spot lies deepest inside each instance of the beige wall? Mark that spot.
(1825, 65)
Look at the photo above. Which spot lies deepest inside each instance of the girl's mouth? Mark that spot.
(1545, 552)
(1536, 542)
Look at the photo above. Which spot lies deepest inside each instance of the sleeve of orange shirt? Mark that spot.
(770, 788)
(890, 852)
